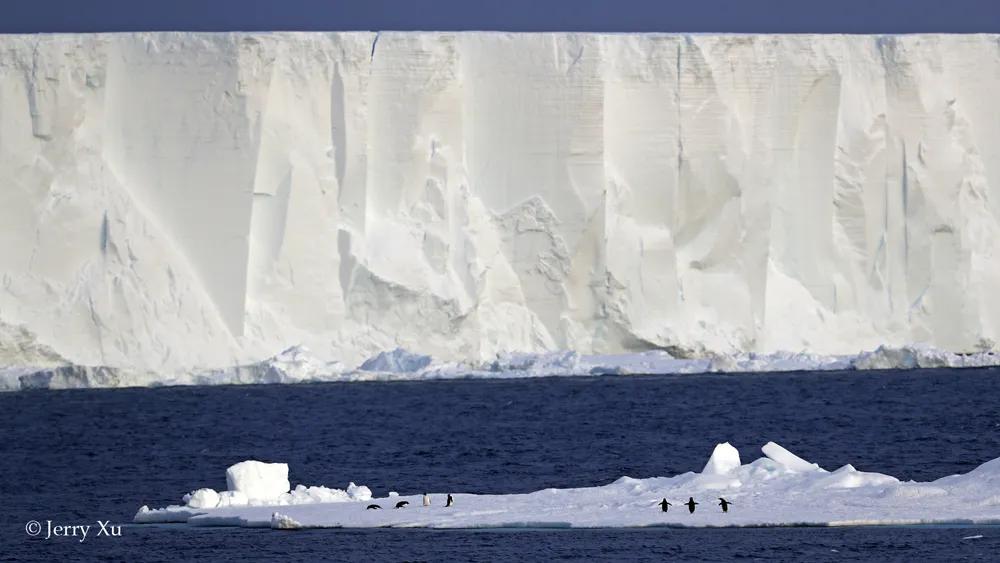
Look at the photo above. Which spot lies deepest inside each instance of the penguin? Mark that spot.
(664, 504)
(724, 504)
(402, 503)
(691, 504)
(374, 507)
(450, 501)
(427, 499)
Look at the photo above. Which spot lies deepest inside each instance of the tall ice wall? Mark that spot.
(179, 200)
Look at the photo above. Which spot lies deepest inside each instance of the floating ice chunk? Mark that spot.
(920, 356)
(280, 521)
(885, 357)
(359, 492)
(547, 364)
(292, 365)
(202, 498)
(725, 459)
(790, 461)
(173, 513)
(655, 361)
(776, 361)
(299, 364)
(258, 480)
(396, 361)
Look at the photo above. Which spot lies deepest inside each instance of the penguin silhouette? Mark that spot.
(450, 501)
(664, 504)
(691, 504)
(373, 507)
(427, 499)
(402, 503)
(724, 504)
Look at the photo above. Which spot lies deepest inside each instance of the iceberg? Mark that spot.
(474, 195)
(780, 489)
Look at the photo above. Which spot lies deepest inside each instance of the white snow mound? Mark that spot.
(724, 460)
(258, 480)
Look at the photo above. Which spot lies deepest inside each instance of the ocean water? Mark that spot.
(75, 457)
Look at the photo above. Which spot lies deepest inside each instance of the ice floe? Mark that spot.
(779, 489)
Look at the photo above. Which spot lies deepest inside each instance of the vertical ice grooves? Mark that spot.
(338, 125)
(449, 191)
(904, 196)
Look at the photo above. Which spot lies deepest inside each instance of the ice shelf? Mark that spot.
(175, 203)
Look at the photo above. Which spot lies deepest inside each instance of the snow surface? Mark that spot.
(780, 489)
(464, 195)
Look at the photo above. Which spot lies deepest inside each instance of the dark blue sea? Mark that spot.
(75, 457)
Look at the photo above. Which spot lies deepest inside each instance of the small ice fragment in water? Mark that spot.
(202, 498)
(280, 521)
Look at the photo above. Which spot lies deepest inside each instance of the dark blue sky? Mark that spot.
(774, 16)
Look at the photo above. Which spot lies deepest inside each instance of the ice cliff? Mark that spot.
(172, 201)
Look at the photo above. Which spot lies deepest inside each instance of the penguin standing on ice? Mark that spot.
(450, 501)
(691, 504)
(402, 503)
(724, 504)
(427, 499)
(664, 505)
